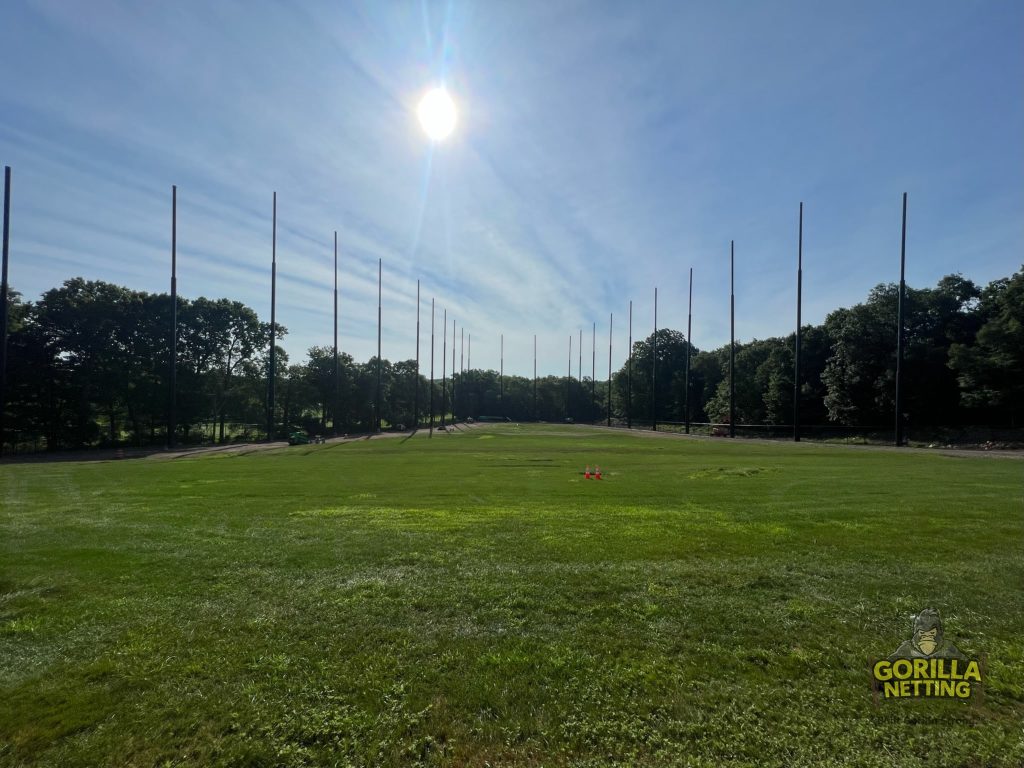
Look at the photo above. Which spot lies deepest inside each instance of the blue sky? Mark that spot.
(602, 149)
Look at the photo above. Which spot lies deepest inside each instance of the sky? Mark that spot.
(602, 149)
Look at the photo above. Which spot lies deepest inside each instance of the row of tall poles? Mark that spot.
(899, 426)
(444, 358)
(900, 336)
(272, 371)
(271, 376)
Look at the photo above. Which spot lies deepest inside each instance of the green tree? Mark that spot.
(990, 368)
(90, 331)
(750, 377)
(859, 375)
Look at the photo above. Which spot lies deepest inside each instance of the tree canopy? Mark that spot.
(88, 364)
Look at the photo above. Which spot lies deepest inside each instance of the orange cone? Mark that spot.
(597, 473)
(586, 475)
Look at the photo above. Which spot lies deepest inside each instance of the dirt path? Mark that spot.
(244, 448)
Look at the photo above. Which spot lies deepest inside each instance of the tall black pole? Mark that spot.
(689, 330)
(535, 377)
(799, 306)
(272, 372)
(444, 360)
(629, 372)
(654, 368)
(173, 362)
(593, 363)
(899, 328)
(732, 341)
(3, 300)
(469, 352)
(337, 382)
(501, 377)
(462, 370)
(568, 382)
(416, 394)
(431, 368)
(611, 318)
(376, 405)
(453, 372)
(579, 368)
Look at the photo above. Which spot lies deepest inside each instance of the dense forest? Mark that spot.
(87, 365)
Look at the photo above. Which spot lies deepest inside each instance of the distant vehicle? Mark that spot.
(298, 438)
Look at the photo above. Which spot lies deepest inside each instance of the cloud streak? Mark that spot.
(602, 149)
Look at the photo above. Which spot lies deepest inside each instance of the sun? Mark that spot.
(437, 114)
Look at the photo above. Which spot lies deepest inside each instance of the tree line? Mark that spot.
(88, 364)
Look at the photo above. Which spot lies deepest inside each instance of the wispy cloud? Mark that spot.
(602, 149)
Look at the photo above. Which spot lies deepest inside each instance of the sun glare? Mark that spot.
(437, 114)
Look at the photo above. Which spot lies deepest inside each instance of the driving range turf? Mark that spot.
(471, 599)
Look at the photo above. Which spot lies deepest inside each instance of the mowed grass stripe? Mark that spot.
(471, 598)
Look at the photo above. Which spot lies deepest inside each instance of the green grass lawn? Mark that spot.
(472, 600)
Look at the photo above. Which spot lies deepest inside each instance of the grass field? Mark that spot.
(472, 600)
